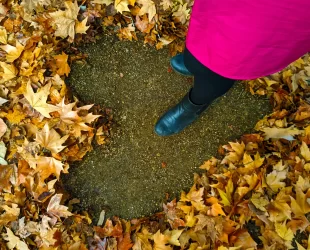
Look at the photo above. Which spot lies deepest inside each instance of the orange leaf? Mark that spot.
(47, 166)
(244, 239)
(143, 24)
(124, 242)
(5, 174)
(62, 64)
(216, 209)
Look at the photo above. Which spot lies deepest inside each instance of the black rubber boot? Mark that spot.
(177, 64)
(179, 117)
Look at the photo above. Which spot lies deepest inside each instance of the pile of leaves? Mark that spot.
(256, 196)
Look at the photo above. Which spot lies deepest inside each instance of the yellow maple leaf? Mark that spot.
(127, 33)
(304, 151)
(14, 241)
(259, 202)
(236, 154)
(300, 206)
(166, 4)
(9, 214)
(9, 72)
(62, 64)
(248, 161)
(228, 248)
(194, 195)
(307, 130)
(16, 116)
(80, 27)
(226, 200)
(106, 2)
(190, 218)
(46, 166)
(284, 232)
(160, 241)
(65, 20)
(285, 133)
(38, 100)
(279, 210)
(148, 7)
(182, 13)
(46, 234)
(252, 180)
(66, 113)
(173, 236)
(298, 63)
(303, 183)
(50, 139)
(3, 35)
(300, 247)
(121, 5)
(12, 52)
(275, 180)
(204, 221)
(142, 240)
(216, 210)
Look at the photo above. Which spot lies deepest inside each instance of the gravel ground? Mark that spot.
(131, 176)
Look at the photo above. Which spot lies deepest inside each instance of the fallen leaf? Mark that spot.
(65, 20)
(121, 5)
(55, 209)
(275, 180)
(182, 13)
(174, 236)
(62, 64)
(236, 154)
(148, 7)
(9, 72)
(3, 127)
(14, 241)
(166, 4)
(12, 52)
(106, 2)
(47, 166)
(3, 35)
(16, 115)
(304, 151)
(300, 205)
(5, 174)
(285, 133)
(38, 100)
(244, 240)
(143, 24)
(226, 200)
(160, 241)
(80, 27)
(303, 183)
(124, 242)
(3, 150)
(284, 232)
(259, 202)
(50, 139)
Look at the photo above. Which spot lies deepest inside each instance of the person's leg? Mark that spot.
(208, 86)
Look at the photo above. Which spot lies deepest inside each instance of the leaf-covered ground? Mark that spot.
(130, 176)
(255, 196)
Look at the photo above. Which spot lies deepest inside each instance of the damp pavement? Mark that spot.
(132, 176)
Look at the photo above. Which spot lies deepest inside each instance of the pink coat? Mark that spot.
(246, 39)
